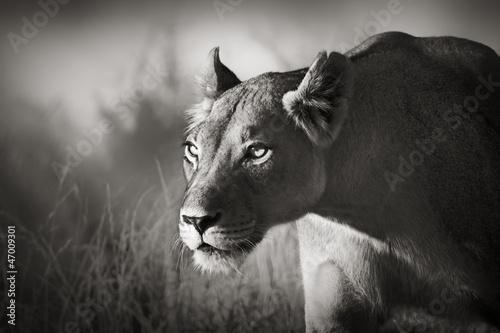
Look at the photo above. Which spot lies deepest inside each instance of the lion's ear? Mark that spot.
(216, 78)
(319, 105)
(213, 81)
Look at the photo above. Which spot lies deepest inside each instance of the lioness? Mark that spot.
(388, 158)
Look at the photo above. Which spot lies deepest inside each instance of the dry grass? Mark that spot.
(126, 271)
(129, 277)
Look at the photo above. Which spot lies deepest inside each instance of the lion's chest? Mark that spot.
(324, 240)
(362, 261)
(334, 254)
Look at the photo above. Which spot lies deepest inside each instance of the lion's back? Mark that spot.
(437, 85)
(459, 62)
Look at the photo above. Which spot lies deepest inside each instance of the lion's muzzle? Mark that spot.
(214, 230)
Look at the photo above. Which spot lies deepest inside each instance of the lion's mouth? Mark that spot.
(210, 249)
(207, 248)
(225, 257)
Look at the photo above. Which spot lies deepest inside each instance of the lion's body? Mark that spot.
(405, 208)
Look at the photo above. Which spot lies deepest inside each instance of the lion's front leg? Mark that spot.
(331, 303)
(322, 286)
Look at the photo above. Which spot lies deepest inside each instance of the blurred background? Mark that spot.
(92, 95)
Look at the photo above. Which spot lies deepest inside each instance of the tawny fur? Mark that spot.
(374, 233)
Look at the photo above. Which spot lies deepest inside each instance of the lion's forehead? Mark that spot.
(252, 101)
(244, 109)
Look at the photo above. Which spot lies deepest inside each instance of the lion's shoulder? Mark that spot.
(381, 43)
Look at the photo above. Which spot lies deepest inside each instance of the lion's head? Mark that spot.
(254, 154)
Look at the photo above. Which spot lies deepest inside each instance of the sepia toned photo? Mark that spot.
(250, 166)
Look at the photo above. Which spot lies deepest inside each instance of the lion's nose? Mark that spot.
(201, 224)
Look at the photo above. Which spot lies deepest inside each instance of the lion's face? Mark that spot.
(247, 165)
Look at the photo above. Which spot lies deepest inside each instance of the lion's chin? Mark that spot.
(222, 262)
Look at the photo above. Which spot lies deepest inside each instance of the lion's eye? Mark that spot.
(191, 151)
(257, 151)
